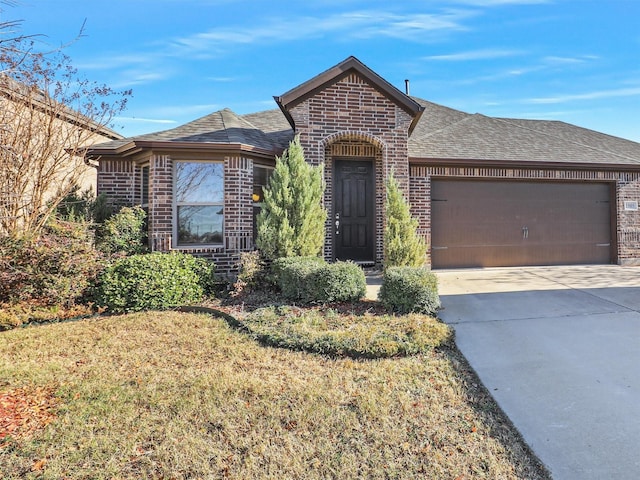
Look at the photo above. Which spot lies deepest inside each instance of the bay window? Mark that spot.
(199, 203)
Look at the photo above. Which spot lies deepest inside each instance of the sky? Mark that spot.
(572, 60)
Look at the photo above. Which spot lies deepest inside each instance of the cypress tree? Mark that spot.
(292, 219)
(402, 244)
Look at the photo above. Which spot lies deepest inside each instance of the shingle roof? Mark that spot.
(478, 137)
(441, 133)
(223, 127)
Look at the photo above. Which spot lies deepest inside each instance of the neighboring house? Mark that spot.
(42, 144)
(486, 191)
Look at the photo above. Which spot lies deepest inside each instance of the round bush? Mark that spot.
(312, 280)
(291, 276)
(153, 281)
(338, 282)
(409, 289)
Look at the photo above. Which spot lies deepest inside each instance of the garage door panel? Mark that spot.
(488, 223)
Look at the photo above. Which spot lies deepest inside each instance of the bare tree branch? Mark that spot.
(48, 116)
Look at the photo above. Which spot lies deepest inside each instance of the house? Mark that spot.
(42, 144)
(486, 191)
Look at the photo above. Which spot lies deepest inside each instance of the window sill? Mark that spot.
(199, 248)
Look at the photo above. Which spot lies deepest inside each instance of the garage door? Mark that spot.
(494, 223)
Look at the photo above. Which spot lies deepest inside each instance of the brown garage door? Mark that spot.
(494, 223)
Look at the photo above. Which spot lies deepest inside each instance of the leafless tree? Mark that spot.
(48, 115)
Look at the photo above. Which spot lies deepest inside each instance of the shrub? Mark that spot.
(251, 273)
(55, 268)
(409, 289)
(402, 244)
(292, 219)
(290, 275)
(337, 282)
(153, 281)
(123, 232)
(312, 280)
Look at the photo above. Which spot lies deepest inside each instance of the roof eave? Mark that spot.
(458, 162)
(136, 146)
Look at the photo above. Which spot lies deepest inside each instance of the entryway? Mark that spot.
(354, 210)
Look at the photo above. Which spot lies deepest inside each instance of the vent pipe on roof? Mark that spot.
(406, 86)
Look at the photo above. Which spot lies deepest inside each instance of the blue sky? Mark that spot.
(572, 60)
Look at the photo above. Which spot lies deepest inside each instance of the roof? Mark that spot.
(440, 134)
(486, 139)
(270, 133)
(19, 92)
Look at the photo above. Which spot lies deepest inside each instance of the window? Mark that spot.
(144, 186)
(260, 179)
(199, 198)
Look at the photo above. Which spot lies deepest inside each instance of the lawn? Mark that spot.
(186, 396)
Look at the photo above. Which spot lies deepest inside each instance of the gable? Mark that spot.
(348, 71)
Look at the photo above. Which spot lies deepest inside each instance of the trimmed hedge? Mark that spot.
(312, 280)
(153, 281)
(409, 289)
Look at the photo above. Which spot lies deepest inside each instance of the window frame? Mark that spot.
(177, 204)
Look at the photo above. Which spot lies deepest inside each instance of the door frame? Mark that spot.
(373, 217)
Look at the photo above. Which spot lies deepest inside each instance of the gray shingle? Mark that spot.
(441, 133)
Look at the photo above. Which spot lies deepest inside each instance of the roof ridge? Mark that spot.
(546, 134)
(468, 118)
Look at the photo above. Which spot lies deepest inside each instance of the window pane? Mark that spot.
(260, 179)
(198, 182)
(145, 186)
(199, 224)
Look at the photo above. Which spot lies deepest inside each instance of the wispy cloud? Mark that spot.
(497, 3)
(145, 120)
(133, 78)
(597, 95)
(483, 54)
(356, 24)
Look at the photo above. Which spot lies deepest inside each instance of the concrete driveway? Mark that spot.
(559, 349)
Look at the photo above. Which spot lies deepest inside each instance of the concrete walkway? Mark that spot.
(559, 349)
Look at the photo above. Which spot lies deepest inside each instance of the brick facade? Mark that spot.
(120, 181)
(350, 113)
(351, 119)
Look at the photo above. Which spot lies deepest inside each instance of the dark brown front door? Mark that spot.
(353, 210)
(503, 223)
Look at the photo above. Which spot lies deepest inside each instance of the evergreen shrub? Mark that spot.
(153, 281)
(292, 219)
(124, 232)
(312, 280)
(409, 290)
(402, 244)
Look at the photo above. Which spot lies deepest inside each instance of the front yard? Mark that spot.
(184, 395)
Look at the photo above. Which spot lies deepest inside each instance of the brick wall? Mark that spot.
(117, 180)
(352, 119)
(627, 187)
(120, 180)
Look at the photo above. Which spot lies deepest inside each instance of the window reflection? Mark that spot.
(199, 193)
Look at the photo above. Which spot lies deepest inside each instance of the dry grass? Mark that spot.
(177, 395)
(329, 332)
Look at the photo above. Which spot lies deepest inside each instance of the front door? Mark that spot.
(353, 210)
